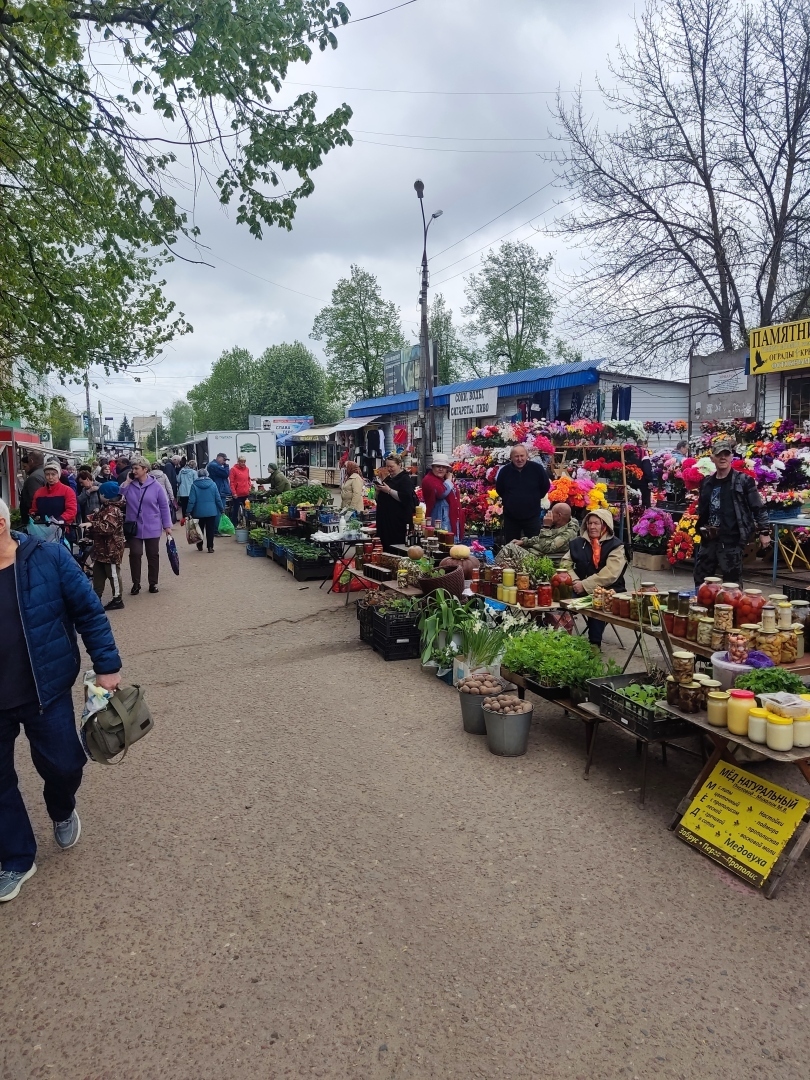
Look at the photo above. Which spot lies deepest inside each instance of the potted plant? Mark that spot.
(651, 535)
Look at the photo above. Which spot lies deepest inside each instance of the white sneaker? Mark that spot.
(11, 882)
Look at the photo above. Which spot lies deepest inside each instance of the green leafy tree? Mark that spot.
(222, 402)
(162, 438)
(64, 423)
(358, 328)
(442, 332)
(179, 419)
(290, 382)
(510, 310)
(125, 432)
(86, 209)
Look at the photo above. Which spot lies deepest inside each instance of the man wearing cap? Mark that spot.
(55, 500)
(239, 481)
(220, 472)
(278, 481)
(730, 515)
(107, 532)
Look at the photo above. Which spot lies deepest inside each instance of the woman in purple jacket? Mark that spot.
(148, 507)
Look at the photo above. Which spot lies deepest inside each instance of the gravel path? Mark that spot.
(309, 870)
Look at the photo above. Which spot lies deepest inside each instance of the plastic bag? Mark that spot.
(49, 534)
(225, 526)
(193, 534)
(172, 554)
(343, 582)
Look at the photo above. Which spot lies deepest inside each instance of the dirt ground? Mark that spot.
(308, 869)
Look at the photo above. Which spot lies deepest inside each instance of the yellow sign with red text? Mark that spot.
(742, 821)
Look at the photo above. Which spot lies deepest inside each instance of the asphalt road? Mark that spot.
(309, 870)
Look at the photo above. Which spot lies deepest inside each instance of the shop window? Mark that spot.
(798, 400)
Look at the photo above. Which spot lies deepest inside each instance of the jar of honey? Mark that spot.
(740, 703)
(717, 708)
(508, 576)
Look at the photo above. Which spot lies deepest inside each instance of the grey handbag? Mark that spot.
(112, 730)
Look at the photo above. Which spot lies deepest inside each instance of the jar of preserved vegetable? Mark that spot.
(737, 648)
(707, 593)
(717, 708)
(801, 610)
(544, 595)
(749, 632)
(784, 616)
(679, 624)
(767, 618)
(684, 600)
(634, 606)
(529, 598)
(497, 575)
(696, 613)
(723, 616)
(770, 643)
(690, 697)
(740, 703)
(719, 639)
(624, 605)
(683, 666)
(673, 690)
(751, 604)
(672, 601)
(522, 581)
(776, 598)
(798, 630)
(730, 594)
(561, 585)
(758, 725)
(704, 631)
(789, 650)
(710, 686)
(669, 621)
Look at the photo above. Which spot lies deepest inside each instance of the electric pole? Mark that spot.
(426, 419)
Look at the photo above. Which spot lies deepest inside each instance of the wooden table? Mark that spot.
(725, 745)
(586, 712)
(388, 586)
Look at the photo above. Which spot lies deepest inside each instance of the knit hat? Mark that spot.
(53, 465)
(109, 490)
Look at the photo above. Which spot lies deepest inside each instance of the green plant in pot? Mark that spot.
(554, 660)
(445, 615)
(539, 568)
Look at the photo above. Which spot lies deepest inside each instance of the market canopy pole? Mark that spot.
(426, 423)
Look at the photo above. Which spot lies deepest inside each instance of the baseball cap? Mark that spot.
(721, 444)
(109, 490)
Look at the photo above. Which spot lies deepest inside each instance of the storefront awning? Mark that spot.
(353, 423)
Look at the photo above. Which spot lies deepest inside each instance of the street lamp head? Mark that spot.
(437, 214)
(419, 188)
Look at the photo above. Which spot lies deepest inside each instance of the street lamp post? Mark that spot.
(426, 419)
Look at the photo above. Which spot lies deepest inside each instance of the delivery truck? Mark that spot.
(257, 447)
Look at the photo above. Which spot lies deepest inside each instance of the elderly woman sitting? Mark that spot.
(596, 557)
(440, 495)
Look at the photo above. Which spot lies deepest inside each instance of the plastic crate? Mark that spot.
(377, 573)
(793, 592)
(365, 616)
(255, 551)
(640, 719)
(310, 571)
(394, 624)
(405, 646)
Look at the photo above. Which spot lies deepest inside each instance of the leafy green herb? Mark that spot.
(554, 659)
(773, 680)
(539, 568)
(307, 493)
(481, 644)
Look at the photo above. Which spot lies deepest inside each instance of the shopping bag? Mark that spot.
(193, 534)
(344, 582)
(49, 534)
(172, 554)
(225, 526)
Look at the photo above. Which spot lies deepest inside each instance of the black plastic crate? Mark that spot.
(793, 592)
(640, 719)
(365, 616)
(311, 571)
(405, 646)
(377, 573)
(394, 624)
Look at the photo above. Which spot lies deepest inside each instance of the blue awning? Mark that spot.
(511, 384)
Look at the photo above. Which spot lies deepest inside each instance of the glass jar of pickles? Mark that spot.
(751, 604)
(690, 697)
(707, 593)
(770, 643)
(737, 648)
(544, 594)
(789, 652)
(719, 638)
(522, 581)
(529, 598)
(684, 600)
(679, 624)
(683, 666)
(704, 631)
(673, 691)
(696, 613)
(730, 595)
(635, 606)
(672, 601)
(723, 616)
(798, 630)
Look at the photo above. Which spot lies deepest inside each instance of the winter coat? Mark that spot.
(108, 533)
(121, 472)
(521, 490)
(433, 489)
(185, 478)
(351, 492)
(163, 480)
(219, 474)
(56, 501)
(239, 480)
(205, 500)
(612, 561)
(171, 474)
(56, 600)
(89, 501)
(279, 482)
(33, 483)
(147, 505)
(749, 508)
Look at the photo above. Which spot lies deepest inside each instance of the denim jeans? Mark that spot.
(59, 759)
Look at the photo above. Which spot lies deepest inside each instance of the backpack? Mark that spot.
(125, 720)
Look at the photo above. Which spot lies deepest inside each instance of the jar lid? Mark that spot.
(784, 604)
(774, 719)
(750, 626)
(798, 628)
(691, 686)
(800, 603)
(685, 595)
(757, 711)
(724, 607)
(706, 619)
(731, 585)
(670, 678)
(702, 679)
(718, 695)
(683, 655)
(768, 633)
(697, 607)
(777, 596)
(712, 684)
(753, 592)
(711, 580)
(742, 695)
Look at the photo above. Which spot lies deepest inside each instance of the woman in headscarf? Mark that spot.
(396, 503)
(353, 488)
(596, 557)
(440, 495)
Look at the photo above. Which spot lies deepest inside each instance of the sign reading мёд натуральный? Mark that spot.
(783, 347)
(742, 821)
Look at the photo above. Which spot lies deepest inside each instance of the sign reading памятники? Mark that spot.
(471, 403)
(782, 347)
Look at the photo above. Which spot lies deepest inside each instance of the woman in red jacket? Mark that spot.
(440, 495)
(55, 499)
(239, 479)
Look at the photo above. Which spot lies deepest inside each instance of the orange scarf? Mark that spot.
(596, 548)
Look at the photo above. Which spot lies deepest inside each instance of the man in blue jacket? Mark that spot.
(219, 471)
(44, 600)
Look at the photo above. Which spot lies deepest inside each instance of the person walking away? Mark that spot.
(55, 499)
(596, 557)
(440, 495)
(278, 481)
(88, 500)
(353, 488)
(35, 479)
(163, 480)
(205, 503)
(44, 600)
(107, 533)
(185, 478)
(730, 515)
(522, 485)
(239, 480)
(168, 467)
(147, 508)
(396, 502)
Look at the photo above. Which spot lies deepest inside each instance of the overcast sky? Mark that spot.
(475, 145)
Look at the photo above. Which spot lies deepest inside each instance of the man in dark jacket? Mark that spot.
(730, 514)
(44, 600)
(521, 484)
(220, 471)
(32, 463)
(171, 472)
